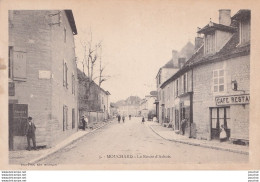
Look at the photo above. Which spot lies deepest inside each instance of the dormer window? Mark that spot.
(244, 31)
(210, 43)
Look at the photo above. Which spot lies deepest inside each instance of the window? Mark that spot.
(65, 75)
(218, 80)
(65, 35)
(73, 84)
(210, 43)
(163, 96)
(177, 88)
(10, 62)
(219, 116)
(65, 117)
(73, 118)
(244, 31)
(185, 83)
(17, 64)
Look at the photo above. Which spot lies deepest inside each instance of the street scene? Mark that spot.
(80, 93)
(135, 143)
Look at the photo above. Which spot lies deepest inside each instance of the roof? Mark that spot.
(169, 64)
(70, 17)
(242, 14)
(214, 26)
(230, 50)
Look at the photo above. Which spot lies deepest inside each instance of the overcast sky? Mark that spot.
(138, 38)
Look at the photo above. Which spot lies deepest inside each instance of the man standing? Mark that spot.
(118, 118)
(30, 133)
(83, 122)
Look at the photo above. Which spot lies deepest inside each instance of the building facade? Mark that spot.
(94, 102)
(42, 76)
(213, 86)
(164, 102)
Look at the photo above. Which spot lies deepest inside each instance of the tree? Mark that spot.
(91, 54)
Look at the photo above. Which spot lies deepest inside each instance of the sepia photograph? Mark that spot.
(129, 85)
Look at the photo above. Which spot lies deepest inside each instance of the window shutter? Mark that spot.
(19, 65)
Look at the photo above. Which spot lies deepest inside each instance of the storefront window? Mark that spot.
(219, 116)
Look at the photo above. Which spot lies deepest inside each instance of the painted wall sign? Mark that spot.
(44, 74)
(232, 99)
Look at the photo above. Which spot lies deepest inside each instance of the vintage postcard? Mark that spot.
(131, 84)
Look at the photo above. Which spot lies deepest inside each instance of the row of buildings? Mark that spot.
(43, 78)
(136, 106)
(211, 87)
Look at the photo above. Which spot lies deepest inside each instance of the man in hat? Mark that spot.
(30, 133)
(83, 123)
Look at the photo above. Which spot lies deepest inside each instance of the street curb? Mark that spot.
(58, 149)
(201, 145)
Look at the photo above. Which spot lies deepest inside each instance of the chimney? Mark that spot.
(175, 57)
(225, 17)
(181, 62)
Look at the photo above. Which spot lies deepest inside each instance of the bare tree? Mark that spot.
(93, 53)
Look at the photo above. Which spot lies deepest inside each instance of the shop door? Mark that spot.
(18, 114)
(219, 116)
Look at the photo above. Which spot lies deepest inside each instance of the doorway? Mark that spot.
(219, 116)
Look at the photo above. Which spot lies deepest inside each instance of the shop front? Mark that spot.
(183, 115)
(232, 113)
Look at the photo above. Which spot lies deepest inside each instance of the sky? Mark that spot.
(138, 38)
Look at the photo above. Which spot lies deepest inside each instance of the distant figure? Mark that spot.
(143, 120)
(130, 117)
(118, 118)
(183, 126)
(30, 133)
(222, 134)
(83, 122)
(123, 118)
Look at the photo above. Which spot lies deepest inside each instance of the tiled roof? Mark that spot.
(230, 50)
(243, 13)
(216, 26)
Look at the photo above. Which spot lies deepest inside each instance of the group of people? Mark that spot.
(119, 118)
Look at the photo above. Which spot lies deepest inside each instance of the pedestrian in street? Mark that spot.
(222, 134)
(83, 123)
(123, 118)
(130, 117)
(118, 118)
(183, 125)
(143, 120)
(30, 133)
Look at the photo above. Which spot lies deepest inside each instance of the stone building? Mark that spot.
(42, 75)
(94, 101)
(130, 106)
(164, 108)
(213, 86)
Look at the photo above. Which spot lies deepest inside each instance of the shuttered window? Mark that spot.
(18, 65)
(210, 43)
